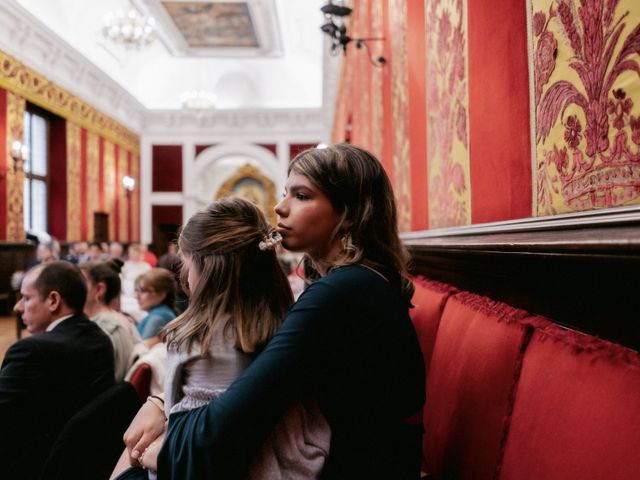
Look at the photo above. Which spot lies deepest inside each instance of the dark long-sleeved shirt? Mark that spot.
(348, 343)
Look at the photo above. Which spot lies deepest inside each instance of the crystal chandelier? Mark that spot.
(198, 100)
(129, 28)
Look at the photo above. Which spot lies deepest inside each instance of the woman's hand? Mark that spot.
(149, 458)
(147, 425)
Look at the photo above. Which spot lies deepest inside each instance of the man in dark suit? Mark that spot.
(50, 375)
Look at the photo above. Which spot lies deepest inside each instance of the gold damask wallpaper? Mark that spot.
(586, 61)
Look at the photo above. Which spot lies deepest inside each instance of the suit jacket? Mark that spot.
(44, 380)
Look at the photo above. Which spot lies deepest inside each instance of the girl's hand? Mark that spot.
(147, 425)
(149, 458)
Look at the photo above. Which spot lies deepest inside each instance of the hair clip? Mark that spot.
(270, 241)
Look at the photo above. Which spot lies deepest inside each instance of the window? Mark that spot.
(36, 171)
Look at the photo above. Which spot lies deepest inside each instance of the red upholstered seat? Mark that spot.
(141, 381)
(577, 410)
(470, 384)
(429, 300)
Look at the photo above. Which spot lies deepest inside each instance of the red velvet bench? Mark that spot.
(515, 396)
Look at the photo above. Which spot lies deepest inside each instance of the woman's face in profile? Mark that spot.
(307, 220)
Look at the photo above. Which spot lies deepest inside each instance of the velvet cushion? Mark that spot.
(428, 300)
(474, 367)
(576, 412)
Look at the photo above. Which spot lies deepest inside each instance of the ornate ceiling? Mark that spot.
(253, 54)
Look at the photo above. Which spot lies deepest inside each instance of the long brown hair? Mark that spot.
(360, 191)
(237, 279)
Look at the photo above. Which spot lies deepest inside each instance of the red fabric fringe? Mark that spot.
(434, 285)
(586, 343)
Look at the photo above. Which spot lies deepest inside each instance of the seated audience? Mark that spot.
(171, 261)
(96, 253)
(116, 250)
(148, 255)
(156, 294)
(133, 267)
(49, 376)
(103, 285)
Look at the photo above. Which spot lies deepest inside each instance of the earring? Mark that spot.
(347, 241)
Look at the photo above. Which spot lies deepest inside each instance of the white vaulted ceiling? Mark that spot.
(284, 70)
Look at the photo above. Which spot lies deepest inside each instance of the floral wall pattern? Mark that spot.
(400, 113)
(586, 66)
(447, 114)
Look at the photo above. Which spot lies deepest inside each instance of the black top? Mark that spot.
(348, 342)
(45, 379)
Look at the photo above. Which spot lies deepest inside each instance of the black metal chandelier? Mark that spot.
(335, 28)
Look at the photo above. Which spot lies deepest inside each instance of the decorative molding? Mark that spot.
(237, 123)
(27, 83)
(579, 270)
(628, 217)
(39, 48)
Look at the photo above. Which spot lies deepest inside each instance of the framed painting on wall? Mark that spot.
(250, 184)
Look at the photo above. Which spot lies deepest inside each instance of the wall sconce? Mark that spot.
(129, 183)
(18, 154)
(336, 29)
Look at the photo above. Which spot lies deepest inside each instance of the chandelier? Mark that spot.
(198, 100)
(129, 28)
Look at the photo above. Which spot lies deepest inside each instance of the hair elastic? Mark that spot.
(270, 240)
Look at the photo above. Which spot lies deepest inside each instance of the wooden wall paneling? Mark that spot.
(582, 277)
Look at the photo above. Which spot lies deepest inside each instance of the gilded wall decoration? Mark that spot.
(447, 113)
(250, 184)
(400, 112)
(14, 180)
(109, 170)
(25, 82)
(74, 178)
(123, 197)
(587, 103)
(93, 176)
(135, 200)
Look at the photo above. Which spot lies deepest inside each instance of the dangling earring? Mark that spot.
(347, 242)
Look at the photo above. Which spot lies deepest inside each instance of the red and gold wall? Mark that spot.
(488, 110)
(89, 155)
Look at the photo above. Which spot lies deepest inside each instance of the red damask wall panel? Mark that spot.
(296, 148)
(58, 180)
(416, 42)
(201, 148)
(499, 128)
(166, 168)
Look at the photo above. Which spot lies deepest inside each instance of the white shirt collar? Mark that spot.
(55, 323)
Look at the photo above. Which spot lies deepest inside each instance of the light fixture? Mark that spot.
(198, 100)
(336, 30)
(129, 183)
(129, 28)
(18, 154)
